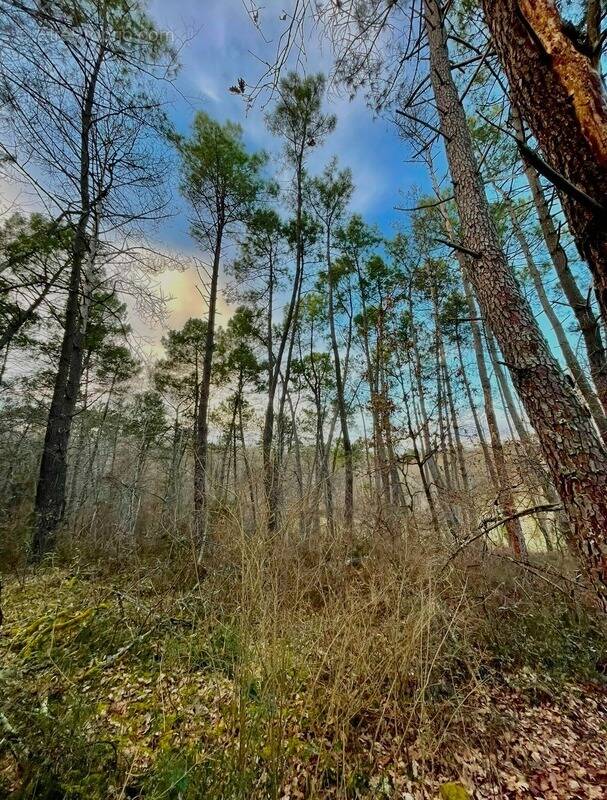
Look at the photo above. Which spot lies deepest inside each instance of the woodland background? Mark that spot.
(343, 532)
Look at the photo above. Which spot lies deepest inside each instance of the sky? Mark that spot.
(218, 44)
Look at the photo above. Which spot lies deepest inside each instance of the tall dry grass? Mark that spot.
(323, 663)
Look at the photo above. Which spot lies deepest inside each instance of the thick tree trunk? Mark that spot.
(506, 499)
(573, 451)
(558, 91)
(580, 305)
(573, 365)
(50, 491)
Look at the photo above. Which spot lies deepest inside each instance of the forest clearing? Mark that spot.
(303, 400)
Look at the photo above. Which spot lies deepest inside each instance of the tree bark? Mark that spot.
(557, 89)
(586, 318)
(506, 499)
(341, 405)
(573, 365)
(50, 490)
(573, 451)
(202, 421)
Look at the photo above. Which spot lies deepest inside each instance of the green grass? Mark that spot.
(246, 687)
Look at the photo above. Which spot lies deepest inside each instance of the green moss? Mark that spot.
(453, 791)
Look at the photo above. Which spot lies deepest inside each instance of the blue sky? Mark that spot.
(218, 44)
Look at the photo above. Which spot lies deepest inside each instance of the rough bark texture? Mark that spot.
(586, 318)
(573, 451)
(50, 490)
(571, 360)
(557, 89)
(506, 499)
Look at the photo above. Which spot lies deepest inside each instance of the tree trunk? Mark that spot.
(50, 491)
(421, 467)
(341, 405)
(573, 365)
(510, 406)
(270, 471)
(479, 428)
(586, 319)
(247, 465)
(544, 62)
(202, 421)
(573, 451)
(460, 455)
(447, 512)
(506, 499)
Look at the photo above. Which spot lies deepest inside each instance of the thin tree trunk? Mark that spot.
(202, 421)
(298, 466)
(447, 512)
(502, 380)
(269, 463)
(341, 405)
(506, 499)
(422, 471)
(93, 456)
(479, 428)
(461, 456)
(247, 465)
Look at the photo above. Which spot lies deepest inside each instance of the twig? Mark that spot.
(551, 174)
(11, 738)
(459, 247)
(112, 659)
(485, 528)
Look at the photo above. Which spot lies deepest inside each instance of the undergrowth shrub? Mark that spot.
(282, 665)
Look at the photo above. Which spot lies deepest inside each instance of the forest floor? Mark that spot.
(121, 688)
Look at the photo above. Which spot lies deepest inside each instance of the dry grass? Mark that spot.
(282, 671)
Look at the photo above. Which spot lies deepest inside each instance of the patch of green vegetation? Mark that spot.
(559, 638)
(222, 651)
(453, 791)
(64, 762)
